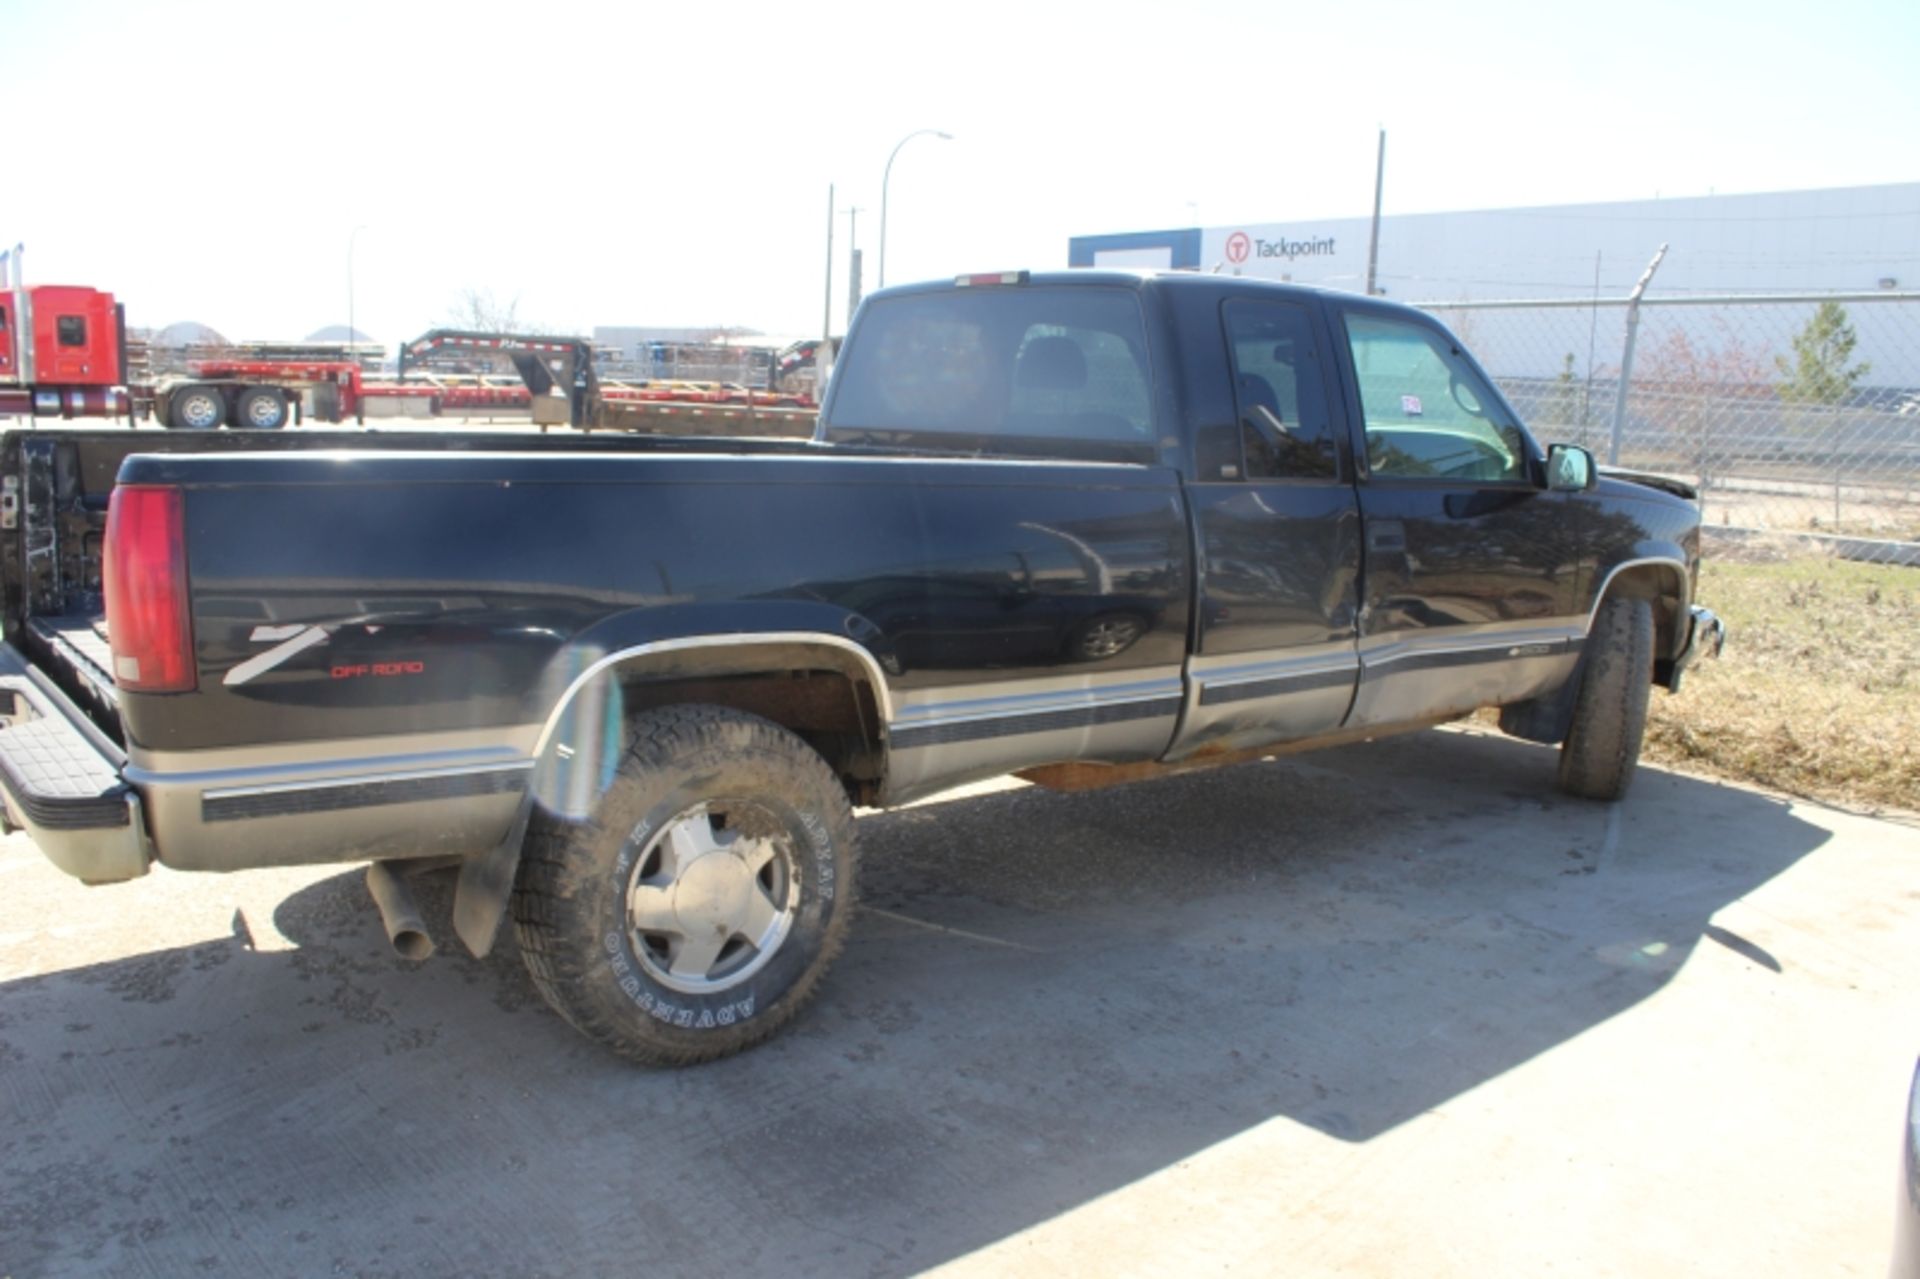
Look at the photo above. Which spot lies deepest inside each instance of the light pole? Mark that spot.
(352, 332)
(853, 261)
(1373, 243)
(825, 358)
(885, 177)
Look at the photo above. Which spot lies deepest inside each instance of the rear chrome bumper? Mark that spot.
(103, 817)
(355, 800)
(60, 778)
(1705, 633)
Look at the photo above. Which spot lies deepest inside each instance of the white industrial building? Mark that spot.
(1846, 239)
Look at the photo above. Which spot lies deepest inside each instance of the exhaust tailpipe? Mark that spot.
(399, 912)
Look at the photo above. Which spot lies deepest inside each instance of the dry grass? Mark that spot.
(1819, 691)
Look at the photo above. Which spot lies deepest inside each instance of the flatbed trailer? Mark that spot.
(563, 389)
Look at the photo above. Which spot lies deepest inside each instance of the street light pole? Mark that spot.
(853, 262)
(825, 357)
(352, 332)
(887, 176)
(1373, 243)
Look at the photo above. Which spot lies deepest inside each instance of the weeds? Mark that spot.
(1819, 691)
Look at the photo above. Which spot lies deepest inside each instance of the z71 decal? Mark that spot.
(291, 641)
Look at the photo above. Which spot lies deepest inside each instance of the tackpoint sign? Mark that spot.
(1238, 246)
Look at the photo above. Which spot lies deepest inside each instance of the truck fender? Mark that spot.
(708, 639)
(579, 704)
(1652, 570)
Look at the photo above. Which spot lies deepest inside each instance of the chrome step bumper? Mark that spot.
(60, 777)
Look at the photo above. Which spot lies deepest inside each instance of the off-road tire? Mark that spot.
(571, 899)
(1610, 710)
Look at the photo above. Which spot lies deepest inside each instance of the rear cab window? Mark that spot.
(1026, 371)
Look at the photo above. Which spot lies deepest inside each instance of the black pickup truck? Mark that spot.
(1085, 527)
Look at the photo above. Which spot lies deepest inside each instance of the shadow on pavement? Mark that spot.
(1048, 997)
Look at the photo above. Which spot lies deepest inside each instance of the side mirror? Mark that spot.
(1570, 469)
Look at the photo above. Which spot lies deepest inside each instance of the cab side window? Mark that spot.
(72, 330)
(1429, 415)
(1279, 392)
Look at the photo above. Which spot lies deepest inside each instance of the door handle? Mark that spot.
(1386, 536)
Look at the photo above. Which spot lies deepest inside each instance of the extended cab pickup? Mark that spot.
(1084, 527)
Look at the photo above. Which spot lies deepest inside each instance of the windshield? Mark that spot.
(1050, 372)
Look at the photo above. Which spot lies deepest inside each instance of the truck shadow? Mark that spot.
(1047, 997)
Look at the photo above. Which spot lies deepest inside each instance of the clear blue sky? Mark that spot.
(655, 164)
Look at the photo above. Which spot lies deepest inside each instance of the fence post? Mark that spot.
(1626, 357)
(1836, 470)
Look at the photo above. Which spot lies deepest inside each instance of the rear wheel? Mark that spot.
(261, 408)
(196, 408)
(1602, 749)
(694, 914)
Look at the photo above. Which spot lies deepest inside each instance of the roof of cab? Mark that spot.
(1123, 277)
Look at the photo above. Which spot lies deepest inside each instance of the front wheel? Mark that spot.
(1602, 749)
(694, 914)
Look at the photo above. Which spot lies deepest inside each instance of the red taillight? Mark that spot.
(144, 573)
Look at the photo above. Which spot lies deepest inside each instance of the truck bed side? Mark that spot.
(393, 638)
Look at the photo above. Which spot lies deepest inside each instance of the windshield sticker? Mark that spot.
(1410, 405)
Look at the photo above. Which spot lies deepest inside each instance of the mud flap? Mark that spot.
(1547, 718)
(485, 885)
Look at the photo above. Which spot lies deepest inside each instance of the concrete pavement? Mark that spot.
(1390, 1009)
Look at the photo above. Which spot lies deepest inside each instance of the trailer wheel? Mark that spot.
(261, 408)
(695, 912)
(196, 408)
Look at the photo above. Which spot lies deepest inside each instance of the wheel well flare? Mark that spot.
(828, 692)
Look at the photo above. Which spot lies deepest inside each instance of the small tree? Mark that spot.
(1699, 392)
(1818, 373)
(479, 310)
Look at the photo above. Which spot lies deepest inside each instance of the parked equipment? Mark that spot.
(63, 354)
(563, 389)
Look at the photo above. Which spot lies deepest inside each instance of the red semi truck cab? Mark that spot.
(61, 350)
(60, 335)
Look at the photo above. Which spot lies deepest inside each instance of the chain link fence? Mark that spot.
(1799, 419)
(1795, 415)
